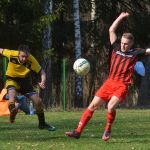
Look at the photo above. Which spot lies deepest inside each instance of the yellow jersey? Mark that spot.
(17, 69)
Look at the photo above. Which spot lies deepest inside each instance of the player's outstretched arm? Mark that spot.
(113, 27)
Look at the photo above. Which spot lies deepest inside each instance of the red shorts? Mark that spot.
(112, 88)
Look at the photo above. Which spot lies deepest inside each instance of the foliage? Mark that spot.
(22, 21)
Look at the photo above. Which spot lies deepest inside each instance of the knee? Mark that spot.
(111, 108)
(39, 107)
(11, 95)
(38, 102)
(93, 107)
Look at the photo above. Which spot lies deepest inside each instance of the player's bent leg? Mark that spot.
(40, 113)
(110, 117)
(86, 116)
(13, 110)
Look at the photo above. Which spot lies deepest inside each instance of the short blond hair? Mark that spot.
(128, 36)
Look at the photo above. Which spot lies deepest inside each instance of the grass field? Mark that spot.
(131, 131)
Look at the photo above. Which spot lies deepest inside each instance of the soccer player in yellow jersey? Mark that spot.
(20, 64)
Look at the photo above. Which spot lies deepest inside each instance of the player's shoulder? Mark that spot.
(138, 51)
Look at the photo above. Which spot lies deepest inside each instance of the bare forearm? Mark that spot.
(43, 79)
(113, 27)
(43, 76)
(115, 24)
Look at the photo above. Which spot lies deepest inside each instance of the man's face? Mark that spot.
(126, 44)
(23, 56)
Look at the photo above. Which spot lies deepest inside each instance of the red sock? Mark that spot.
(110, 119)
(86, 116)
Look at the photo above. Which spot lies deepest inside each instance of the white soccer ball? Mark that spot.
(81, 66)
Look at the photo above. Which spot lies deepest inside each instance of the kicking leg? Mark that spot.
(86, 116)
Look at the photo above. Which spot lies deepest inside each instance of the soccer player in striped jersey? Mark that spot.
(114, 89)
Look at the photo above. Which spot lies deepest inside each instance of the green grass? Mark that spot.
(131, 131)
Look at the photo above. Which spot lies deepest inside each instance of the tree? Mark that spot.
(78, 79)
(47, 45)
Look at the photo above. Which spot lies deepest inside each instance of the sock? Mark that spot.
(11, 106)
(109, 120)
(41, 118)
(86, 116)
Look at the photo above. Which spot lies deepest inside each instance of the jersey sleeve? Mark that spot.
(6, 53)
(35, 66)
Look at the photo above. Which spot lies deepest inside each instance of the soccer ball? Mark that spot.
(81, 66)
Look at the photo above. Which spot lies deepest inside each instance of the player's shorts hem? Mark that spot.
(110, 88)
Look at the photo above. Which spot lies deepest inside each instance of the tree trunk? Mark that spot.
(47, 43)
(78, 79)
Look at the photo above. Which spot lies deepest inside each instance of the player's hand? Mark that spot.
(124, 14)
(42, 85)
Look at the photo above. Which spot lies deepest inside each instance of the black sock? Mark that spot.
(41, 118)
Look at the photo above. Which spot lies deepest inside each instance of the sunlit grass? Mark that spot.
(131, 131)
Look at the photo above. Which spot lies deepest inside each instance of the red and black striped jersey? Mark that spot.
(122, 63)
